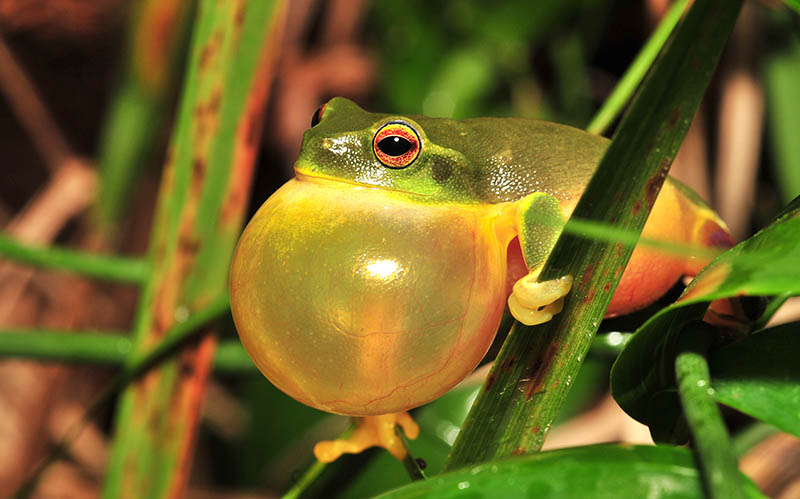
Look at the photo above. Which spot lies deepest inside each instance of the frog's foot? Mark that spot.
(534, 302)
(371, 431)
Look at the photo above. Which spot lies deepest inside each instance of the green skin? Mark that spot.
(479, 160)
(405, 271)
(472, 161)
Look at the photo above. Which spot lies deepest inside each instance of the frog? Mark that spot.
(374, 281)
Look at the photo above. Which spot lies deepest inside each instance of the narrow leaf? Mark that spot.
(782, 79)
(113, 268)
(198, 218)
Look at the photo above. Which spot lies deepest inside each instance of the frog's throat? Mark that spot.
(501, 217)
(320, 178)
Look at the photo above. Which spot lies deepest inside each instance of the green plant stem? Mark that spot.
(636, 72)
(305, 481)
(231, 357)
(111, 268)
(415, 471)
(95, 347)
(712, 443)
(413, 468)
(313, 472)
(104, 348)
(775, 303)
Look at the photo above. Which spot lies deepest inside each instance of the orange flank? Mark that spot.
(652, 271)
(676, 218)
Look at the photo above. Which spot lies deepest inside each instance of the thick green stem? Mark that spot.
(635, 73)
(712, 443)
(95, 347)
(112, 268)
(305, 481)
(103, 348)
(179, 335)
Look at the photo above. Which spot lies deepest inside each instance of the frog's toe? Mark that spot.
(330, 450)
(533, 302)
(371, 431)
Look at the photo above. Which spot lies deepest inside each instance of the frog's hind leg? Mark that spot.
(371, 431)
(539, 222)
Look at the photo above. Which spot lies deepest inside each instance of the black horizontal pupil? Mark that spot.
(394, 145)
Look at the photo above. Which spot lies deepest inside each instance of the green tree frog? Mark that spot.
(375, 280)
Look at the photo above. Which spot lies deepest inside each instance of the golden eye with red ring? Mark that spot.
(396, 145)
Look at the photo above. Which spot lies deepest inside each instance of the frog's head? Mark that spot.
(393, 152)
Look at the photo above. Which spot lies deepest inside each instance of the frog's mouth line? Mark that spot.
(321, 178)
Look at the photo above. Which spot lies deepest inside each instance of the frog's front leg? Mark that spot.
(371, 431)
(532, 302)
(539, 222)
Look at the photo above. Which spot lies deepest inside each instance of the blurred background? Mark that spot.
(66, 71)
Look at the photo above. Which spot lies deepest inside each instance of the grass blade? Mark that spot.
(156, 40)
(710, 437)
(112, 268)
(782, 79)
(198, 218)
(635, 73)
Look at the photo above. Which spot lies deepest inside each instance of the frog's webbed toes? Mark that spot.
(533, 302)
(371, 431)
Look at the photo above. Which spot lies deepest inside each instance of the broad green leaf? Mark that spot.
(765, 264)
(759, 376)
(601, 471)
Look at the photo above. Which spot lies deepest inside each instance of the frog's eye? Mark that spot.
(396, 145)
(317, 115)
